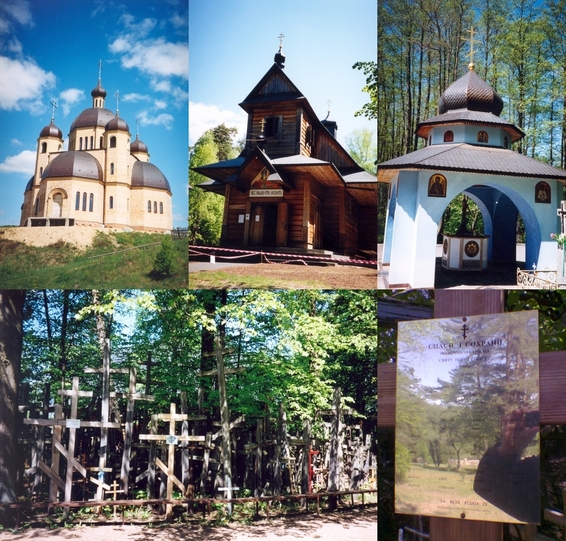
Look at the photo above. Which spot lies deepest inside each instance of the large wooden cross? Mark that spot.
(562, 215)
(171, 439)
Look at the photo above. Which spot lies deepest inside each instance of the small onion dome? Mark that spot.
(117, 123)
(29, 185)
(138, 146)
(51, 131)
(92, 117)
(74, 163)
(472, 93)
(147, 175)
(98, 91)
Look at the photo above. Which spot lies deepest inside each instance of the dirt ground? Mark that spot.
(353, 525)
(295, 276)
(44, 236)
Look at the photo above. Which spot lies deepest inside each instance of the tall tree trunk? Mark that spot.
(11, 318)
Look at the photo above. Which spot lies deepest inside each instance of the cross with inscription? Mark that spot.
(171, 439)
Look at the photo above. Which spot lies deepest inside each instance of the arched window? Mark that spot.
(160, 208)
(449, 136)
(43, 148)
(84, 201)
(149, 206)
(78, 201)
(506, 142)
(41, 171)
(111, 168)
(57, 207)
(91, 202)
(111, 202)
(37, 206)
(113, 142)
(80, 143)
(91, 141)
(101, 140)
(483, 137)
(155, 207)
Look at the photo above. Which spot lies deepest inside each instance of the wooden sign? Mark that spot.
(467, 418)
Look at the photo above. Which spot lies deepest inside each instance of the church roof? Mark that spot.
(138, 146)
(470, 92)
(117, 124)
(73, 163)
(51, 131)
(464, 157)
(147, 175)
(98, 91)
(91, 117)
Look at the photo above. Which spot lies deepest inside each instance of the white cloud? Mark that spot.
(161, 86)
(133, 97)
(26, 84)
(203, 117)
(23, 163)
(16, 142)
(17, 10)
(69, 97)
(160, 104)
(163, 119)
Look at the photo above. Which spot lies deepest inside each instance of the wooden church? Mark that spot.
(294, 187)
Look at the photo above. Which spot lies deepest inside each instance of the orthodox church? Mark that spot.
(468, 150)
(103, 180)
(293, 187)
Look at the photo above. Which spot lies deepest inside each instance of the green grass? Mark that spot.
(113, 261)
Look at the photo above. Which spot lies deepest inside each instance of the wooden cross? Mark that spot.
(471, 32)
(171, 439)
(105, 371)
(281, 36)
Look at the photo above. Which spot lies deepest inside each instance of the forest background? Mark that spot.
(519, 49)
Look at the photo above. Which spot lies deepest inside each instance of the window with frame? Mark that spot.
(149, 206)
(483, 137)
(449, 136)
(111, 202)
(155, 207)
(113, 142)
(91, 202)
(111, 168)
(273, 126)
(160, 208)
(78, 201)
(84, 201)
(43, 148)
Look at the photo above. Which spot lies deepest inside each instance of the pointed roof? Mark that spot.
(275, 85)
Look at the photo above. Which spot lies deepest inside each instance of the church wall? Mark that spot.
(144, 220)
(119, 214)
(367, 228)
(286, 145)
(296, 236)
(235, 207)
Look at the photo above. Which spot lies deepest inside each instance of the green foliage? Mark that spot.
(402, 462)
(362, 146)
(369, 69)
(163, 263)
(452, 218)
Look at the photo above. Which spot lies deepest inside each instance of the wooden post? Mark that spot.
(335, 451)
(305, 465)
(185, 453)
(258, 474)
(55, 456)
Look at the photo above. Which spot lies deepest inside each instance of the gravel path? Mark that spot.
(351, 525)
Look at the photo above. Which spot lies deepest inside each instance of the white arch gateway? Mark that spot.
(468, 150)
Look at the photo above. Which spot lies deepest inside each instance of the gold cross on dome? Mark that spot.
(471, 38)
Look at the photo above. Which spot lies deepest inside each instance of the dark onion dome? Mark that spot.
(29, 185)
(51, 131)
(147, 175)
(91, 117)
(117, 123)
(138, 146)
(472, 93)
(73, 163)
(98, 91)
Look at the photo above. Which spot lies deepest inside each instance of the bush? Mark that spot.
(163, 262)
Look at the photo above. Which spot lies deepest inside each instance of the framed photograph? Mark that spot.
(467, 418)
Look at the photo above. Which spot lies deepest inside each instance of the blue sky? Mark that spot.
(232, 44)
(50, 49)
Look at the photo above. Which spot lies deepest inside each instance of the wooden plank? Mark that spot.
(75, 463)
(163, 437)
(170, 475)
(51, 474)
(446, 529)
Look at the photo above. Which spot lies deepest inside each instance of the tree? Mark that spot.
(222, 136)
(11, 317)
(205, 208)
(163, 262)
(369, 69)
(362, 146)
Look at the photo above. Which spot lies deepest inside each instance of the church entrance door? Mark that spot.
(263, 230)
(57, 209)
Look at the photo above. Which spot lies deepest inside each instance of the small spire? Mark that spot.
(279, 56)
(328, 109)
(471, 65)
(53, 107)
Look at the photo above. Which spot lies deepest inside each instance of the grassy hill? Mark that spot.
(113, 261)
